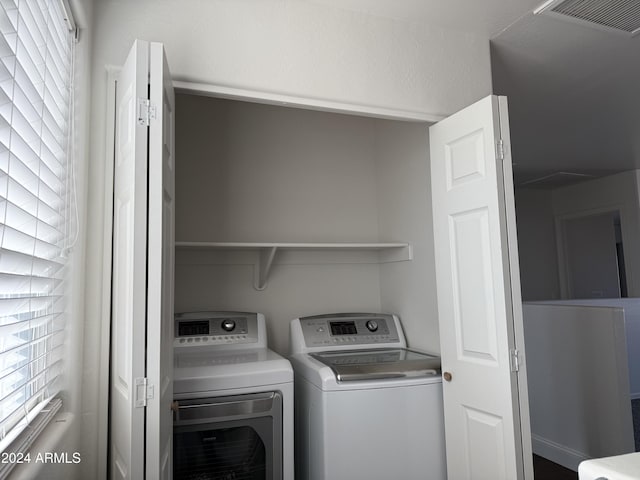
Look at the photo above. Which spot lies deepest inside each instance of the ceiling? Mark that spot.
(573, 90)
(574, 97)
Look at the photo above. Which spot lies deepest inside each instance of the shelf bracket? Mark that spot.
(263, 267)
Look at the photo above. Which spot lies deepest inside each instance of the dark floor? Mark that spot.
(544, 469)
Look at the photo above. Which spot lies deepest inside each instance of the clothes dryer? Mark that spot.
(233, 409)
(366, 407)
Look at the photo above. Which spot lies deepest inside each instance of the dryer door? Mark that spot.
(236, 437)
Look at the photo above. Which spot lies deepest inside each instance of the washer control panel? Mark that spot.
(343, 330)
(216, 328)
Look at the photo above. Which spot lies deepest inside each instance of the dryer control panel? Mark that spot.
(346, 330)
(219, 328)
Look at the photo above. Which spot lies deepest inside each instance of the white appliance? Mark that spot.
(619, 467)
(366, 406)
(233, 400)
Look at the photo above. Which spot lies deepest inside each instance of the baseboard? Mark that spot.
(557, 453)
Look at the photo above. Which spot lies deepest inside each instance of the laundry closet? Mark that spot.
(293, 212)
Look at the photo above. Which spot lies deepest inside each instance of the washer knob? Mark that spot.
(372, 325)
(228, 325)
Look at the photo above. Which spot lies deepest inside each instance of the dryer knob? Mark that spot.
(372, 325)
(228, 325)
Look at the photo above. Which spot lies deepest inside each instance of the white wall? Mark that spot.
(404, 199)
(280, 46)
(258, 173)
(578, 382)
(248, 172)
(299, 48)
(631, 308)
(537, 245)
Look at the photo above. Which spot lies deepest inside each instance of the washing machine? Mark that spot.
(366, 407)
(233, 408)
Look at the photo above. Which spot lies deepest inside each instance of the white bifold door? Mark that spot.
(479, 305)
(141, 386)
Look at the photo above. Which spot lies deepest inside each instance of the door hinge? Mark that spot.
(500, 149)
(144, 392)
(514, 359)
(146, 112)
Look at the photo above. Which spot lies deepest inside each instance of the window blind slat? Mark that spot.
(34, 27)
(27, 354)
(12, 325)
(33, 366)
(53, 170)
(17, 306)
(39, 378)
(34, 317)
(12, 261)
(14, 284)
(20, 376)
(55, 341)
(32, 204)
(42, 249)
(62, 42)
(35, 93)
(6, 23)
(29, 402)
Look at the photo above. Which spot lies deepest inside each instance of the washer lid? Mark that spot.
(380, 363)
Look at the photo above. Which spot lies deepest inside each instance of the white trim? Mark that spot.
(269, 98)
(105, 332)
(505, 167)
(560, 454)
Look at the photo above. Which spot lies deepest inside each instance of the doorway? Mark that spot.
(591, 255)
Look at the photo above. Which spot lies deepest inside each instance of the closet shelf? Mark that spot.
(390, 252)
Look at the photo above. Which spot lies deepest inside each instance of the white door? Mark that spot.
(161, 265)
(142, 290)
(480, 314)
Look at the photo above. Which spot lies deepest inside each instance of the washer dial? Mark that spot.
(228, 325)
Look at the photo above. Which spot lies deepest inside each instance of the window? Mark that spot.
(36, 52)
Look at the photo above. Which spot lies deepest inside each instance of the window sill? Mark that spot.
(48, 453)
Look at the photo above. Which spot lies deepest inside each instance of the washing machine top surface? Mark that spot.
(356, 351)
(219, 351)
(384, 363)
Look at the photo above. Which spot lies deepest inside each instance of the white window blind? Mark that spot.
(35, 78)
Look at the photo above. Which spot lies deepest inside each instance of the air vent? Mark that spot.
(557, 180)
(619, 15)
